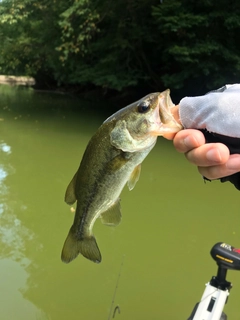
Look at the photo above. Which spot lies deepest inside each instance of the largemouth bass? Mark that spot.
(113, 158)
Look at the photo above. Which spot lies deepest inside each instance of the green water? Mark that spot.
(170, 222)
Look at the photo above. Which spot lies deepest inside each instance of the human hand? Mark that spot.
(212, 159)
(215, 147)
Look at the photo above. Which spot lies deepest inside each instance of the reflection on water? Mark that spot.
(170, 221)
(13, 234)
(4, 149)
(13, 260)
(13, 304)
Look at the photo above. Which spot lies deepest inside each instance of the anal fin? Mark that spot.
(70, 196)
(112, 216)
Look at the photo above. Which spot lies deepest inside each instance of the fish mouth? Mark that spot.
(163, 117)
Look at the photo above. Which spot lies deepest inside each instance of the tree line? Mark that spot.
(188, 46)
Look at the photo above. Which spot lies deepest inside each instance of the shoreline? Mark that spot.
(17, 80)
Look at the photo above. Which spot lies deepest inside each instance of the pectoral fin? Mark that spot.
(113, 216)
(70, 196)
(134, 177)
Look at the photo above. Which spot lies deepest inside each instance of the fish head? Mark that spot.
(138, 125)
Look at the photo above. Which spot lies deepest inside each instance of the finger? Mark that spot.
(188, 139)
(215, 172)
(210, 154)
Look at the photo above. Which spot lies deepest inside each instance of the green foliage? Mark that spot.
(78, 27)
(187, 45)
(104, 46)
(24, 44)
(201, 43)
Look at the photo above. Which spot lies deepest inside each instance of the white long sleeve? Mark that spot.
(217, 111)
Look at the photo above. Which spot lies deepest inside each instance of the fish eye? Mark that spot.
(143, 106)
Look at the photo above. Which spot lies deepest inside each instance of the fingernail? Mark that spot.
(213, 155)
(188, 141)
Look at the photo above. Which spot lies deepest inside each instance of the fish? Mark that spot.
(111, 160)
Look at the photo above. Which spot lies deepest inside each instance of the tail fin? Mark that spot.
(86, 246)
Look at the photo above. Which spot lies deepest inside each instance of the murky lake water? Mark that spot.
(170, 222)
